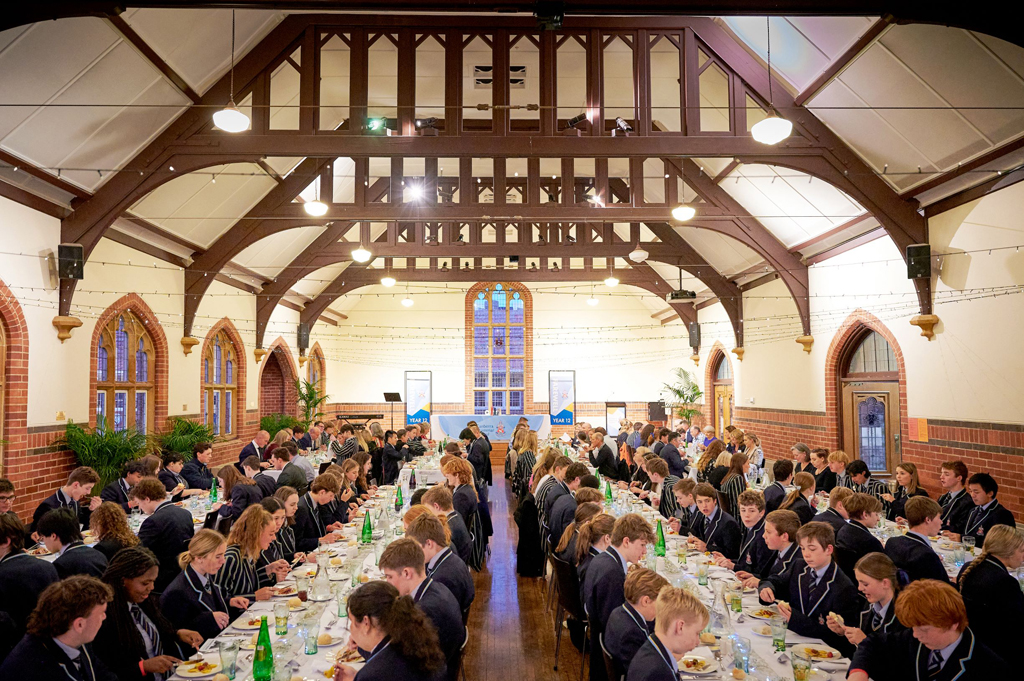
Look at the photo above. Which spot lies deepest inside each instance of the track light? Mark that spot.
(638, 254)
(361, 255)
(315, 208)
(426, 122)
(387, 281)
(622, 124)
(414, 192)
(683, 212)
(576, 120)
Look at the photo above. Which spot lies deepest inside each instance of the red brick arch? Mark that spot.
(851, 330)
(14, 399)
(241, 364)
(282, 355)
(717, 350)
(134, 304)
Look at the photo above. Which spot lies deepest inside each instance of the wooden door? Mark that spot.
(871, 424)
(723, 408)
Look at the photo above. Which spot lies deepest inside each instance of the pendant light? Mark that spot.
(230, 119)
(407, 301)
(592, 301)
(774, 128)
(315, 208)
(612, 281)
(683, 212)
(387, 281)
(638, 254)
(361, 255)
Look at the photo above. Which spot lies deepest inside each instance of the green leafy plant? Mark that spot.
(686, 395)
(310, 402)
(181, 435)
(272, 423)
(103, 449)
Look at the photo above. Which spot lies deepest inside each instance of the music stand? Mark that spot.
(392, 398)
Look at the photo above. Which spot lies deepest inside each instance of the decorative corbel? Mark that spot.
(739, 353)
(259, 354)
(807, 342)
(187, 343)
(302, 360)
(926, 322)
(65, 325)
(696, 358)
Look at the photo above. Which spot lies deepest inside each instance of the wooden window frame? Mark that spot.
(488, 289)
(229, 352)
(136, 331)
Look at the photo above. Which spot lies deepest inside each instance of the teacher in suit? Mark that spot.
(256, 447)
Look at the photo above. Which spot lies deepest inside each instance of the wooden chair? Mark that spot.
(569, 603)
(610, 665)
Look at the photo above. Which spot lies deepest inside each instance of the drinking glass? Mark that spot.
(302, 586)
(312, 632)
(740, 652)
(959, 555)
(801, 666)
(736, 597)
(341, 596)
(702, 571)
(778, 626)
(280, 618)
(228, 656)
(969, 544)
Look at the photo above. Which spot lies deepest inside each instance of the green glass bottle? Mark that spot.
(263, 656)
(398, 500)
(659, 545)
(213, 491)
(367, 528)
(608, 491)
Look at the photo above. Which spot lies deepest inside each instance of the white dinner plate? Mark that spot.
(761, 630)
(335, 640)
(806, 647)
(710, 668)
(183, 671)
(289, 594)
(754, 612)
(244, 624)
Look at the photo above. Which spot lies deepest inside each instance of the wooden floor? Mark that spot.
(511, 638)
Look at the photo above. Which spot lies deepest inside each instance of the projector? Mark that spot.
(681, 294)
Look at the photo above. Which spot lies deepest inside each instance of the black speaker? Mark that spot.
(71, 261)
(694, 331)
(655, 411)
(919, 261)
(302, 339)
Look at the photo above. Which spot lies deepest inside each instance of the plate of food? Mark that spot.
(249, 623)
(761, 613)
(819, 651)
(38, 551)
(283, 590)
(695, 664)
(296, 604)
(761, 630)
(348, 656)
(325, 640)
(198, 670)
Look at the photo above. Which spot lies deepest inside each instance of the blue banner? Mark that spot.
(417, 396)
(562, 397)
(497, 428)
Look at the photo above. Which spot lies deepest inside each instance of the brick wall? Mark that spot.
(271, 386)
(38, 469)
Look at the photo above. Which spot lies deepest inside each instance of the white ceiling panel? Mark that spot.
(196, 43)
(200, 209)
(269, 256)
(670, 273)
(317, 281)
(725, 254)
(802, 47)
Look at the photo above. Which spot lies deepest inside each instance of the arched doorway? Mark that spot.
(272, 386)
(870, 401)
(721, 382)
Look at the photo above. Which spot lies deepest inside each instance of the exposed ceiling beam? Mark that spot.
(144, 247)
(731, 166)
(845, 59)
(845, 246)
(760, 281)
(262, 163)
(49, 178)
(481, 212)
(671, 318)
(158, 231)
(231, 281)
(976, 192)
(986, 159)
(290, 305)
(129, 34)
(824, 236)
(708, 302)
(760, 268)
(27, 198)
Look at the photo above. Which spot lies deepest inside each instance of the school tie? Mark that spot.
(970, 518)
(876, 619)
(814, 589)
(144, 624)
(934, 662)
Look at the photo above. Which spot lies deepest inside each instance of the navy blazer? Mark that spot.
(172, 480)
(979, 522)
(452, 571)
(304, 442)
(802, 509)
(889, 624)
(557, 490)
(676, 465)
(461, 539)
(250, 450)
(478, 455)
(603, 582)
(853, 542)
(994, 604)
(901, 657)
(604, 462)
(309, 525)
(187, 605)
(916, 557)
(780, 567)
(22, 580)
(197, 475)
(242, 497)
(391, 459)
(167, 533)
(755, 556)
(839, 595)
(773, 496)
(656, 448)
(440, 606)
(465, 502)
(40, 659)
(722, 533)
(832, 517)
(955, 511)
(294, 477)
(266, 484)
(563, 512)
(825, 481)
(386, 663)
(79, 559)
(651, 663)
(59, 500)
(117, 492)
(625, 634)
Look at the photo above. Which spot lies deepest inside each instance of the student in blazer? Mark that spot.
(987, 511)
(22, 578)
(755, 557)
(118, 490)
(956, 502)
(59, 531)
(166, 532)
(991, 594)
(913, 552)
(854, 540)
(630, 624)
(719, 532)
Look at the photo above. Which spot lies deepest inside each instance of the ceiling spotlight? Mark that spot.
(315, 208)
(376, 124)
(611, 281)
(683, 212)
(407, 301)
(414, 192)
(230, 119)
(361, 255)
(622, 124)
(387, 281)
(638, 254)
(772, 129)
(576, 120)
(426, 122)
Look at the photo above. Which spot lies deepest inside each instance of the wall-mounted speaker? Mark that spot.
(694, 331)
(71, 261)
(919, 261)
(302, 339)
(655, 411)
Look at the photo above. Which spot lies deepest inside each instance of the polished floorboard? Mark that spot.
(511, 637)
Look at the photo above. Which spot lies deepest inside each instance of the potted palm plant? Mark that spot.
(182, 435)
(103, 449)
(686, 395)
(311, 400)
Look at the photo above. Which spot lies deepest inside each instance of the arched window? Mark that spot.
(499, 347)
(723, 393)
(125, 386)
(315, 370)
(869, 382)
(873, 356)
(220, 385)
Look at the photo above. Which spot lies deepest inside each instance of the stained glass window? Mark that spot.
(216, 412)
(227, 412)
(515, 402)
(515, 373)
(480, 402)
(480, 336)
(871, 423)
(123, 395)
(315, 369)
(120, 410)
(219, 383)
(480, 372)
(516, 309)
(498, 310)
(141, 363)
(873, 355)
(101, 405)
(516, 340)
(499, 347)
(480, 309)
(120, 352)
(497, 373)
(724, 370)
(101, 361)
(141, 409)
(498, 340)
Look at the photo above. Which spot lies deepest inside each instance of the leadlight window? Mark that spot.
(874, 355)
(499, 348)
(219, 384)
(315, 370)
(127, 400)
